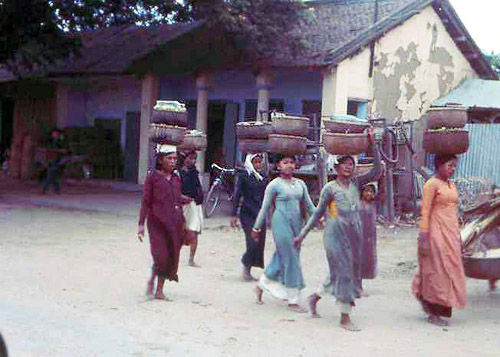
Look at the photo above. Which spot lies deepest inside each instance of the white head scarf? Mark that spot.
(249, 166)
(165, 149)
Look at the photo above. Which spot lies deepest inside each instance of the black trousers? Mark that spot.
(254, 255)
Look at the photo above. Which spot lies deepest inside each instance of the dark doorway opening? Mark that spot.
(6, 125)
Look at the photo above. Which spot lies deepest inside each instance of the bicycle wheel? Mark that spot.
(212, 200)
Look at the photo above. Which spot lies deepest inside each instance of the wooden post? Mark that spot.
(203, 82)
(150, 93)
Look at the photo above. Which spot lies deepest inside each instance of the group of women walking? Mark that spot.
(345, 208)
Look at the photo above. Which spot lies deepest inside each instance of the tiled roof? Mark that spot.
(340, 29)
(337, 23)
(112, 50)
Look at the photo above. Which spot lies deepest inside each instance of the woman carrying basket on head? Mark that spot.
(162, 207)
(340, 203)
(283, 276)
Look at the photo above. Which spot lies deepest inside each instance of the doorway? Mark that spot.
(6, 124)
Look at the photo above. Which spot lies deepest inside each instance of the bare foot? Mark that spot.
(312, 301)
(364, 294)
(438, 321)
(193, 264)
(297, 308)
(258, 294)
(161, 296)
(347, 324)
(247, 276)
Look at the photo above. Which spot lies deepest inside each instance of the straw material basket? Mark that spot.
(450, 117)
(193, 142)
(287, 144)
(290, 125)
(169, 117)
(344, 127)
(166, 134)
(253, 130)
(253, 145)
(446, 141)
(345, 144)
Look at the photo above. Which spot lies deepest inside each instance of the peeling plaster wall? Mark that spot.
(415, 64)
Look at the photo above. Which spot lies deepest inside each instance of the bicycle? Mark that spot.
(223, 184)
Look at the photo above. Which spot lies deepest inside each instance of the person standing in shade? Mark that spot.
(162, 206)
(193, 212)
(250, 187)
(340, 202)
(283, 276)
(439, 284)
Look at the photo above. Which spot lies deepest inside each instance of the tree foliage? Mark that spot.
(494, 59)
(34, 33)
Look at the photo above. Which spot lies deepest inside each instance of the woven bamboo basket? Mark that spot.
(334, 126)
(253, 145)
(166, 134)
(290, 125)
(287, 145)
(450, 117)
(446, 142)
(345, 144)
(482, 268)
(169, 117)
(253, 130)
(193, 142)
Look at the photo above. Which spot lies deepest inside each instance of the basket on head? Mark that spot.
(345, 144)
(166, 134)
(169, 117)
(446, 141)
(336, 126)
(253, 146)
(287, 145)
(290, 125)
(194, 142)
(450, 117)
(253, 130)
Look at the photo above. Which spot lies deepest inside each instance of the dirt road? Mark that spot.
(73, 284)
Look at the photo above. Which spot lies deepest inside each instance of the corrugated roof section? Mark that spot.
(479, 93)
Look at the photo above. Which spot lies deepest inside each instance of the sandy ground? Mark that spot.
(73, 284)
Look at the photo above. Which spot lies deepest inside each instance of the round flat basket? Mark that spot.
(253, 146)
(334, 126)
(169, 117)
(446, 141)
(450, 117)
(482, 268)
(287, 144)
(289, 125)
(193, 142)
(253, 130)
(345, 144)
(166, 134)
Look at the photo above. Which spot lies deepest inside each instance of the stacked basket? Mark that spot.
(169, 119)
(445, 133)
(289, 135)
(345, 135)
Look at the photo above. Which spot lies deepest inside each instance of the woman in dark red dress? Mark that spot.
(162, 206)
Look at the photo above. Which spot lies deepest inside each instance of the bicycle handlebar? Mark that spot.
(220, 168)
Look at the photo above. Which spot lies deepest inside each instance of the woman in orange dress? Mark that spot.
(439, 284)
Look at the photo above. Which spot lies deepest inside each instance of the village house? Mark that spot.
(387, 59)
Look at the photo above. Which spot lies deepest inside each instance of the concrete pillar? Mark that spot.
(62, 105)
(203, 83)
(149, 96)
(264, 84)
(334, 97)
